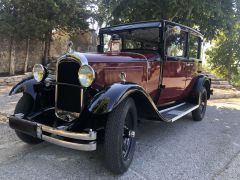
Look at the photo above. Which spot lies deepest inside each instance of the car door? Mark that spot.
(174, 68)
(194, 60)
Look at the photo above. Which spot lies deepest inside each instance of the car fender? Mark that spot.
(202, 81)
(26, 86)
(108, 99)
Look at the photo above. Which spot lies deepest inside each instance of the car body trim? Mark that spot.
(80, 136)
(184, 113)
(168, 109)
(39, 131)
(92, 146)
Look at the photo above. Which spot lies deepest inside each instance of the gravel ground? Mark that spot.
(7, 103)
(209, 149)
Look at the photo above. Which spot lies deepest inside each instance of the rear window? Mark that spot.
(194, 43)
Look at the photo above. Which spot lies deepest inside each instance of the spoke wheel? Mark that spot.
(120, 137)
(128, 136)
(199, 113)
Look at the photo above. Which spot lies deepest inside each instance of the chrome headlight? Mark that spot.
(86, 75)
(38, 72)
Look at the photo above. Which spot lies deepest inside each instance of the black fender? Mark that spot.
(202, 81)
(108, 99)
(25, 86)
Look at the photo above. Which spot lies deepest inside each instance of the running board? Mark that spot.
(176, 112)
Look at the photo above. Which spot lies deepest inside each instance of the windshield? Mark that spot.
(138, 39)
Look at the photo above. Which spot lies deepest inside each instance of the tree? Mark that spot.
(209, 16)
(224, 57)
(58, 15)
(26, 19)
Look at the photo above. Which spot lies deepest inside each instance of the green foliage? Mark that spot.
(209, 16)
(218, 20)
(236, 80)
(224, 57)
(37, 18)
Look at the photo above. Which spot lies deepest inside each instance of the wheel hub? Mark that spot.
(131, 134)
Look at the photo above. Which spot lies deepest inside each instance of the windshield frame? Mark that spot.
(127, 27)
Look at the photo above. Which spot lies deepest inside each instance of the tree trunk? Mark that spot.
(45, 54)
(47, 46)
(12, 56)
(27, 55)
(229, 71)
(49, 43)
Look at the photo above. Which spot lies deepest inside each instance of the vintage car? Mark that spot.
(142, 71)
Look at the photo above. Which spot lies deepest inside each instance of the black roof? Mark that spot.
(146, 24)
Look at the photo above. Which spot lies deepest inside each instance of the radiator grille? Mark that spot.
(68, 86)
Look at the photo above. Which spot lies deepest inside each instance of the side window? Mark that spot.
(132, 44)
(107, 39)
(194, 43)
(176, 44)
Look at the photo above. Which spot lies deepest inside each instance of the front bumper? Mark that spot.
(73, 140)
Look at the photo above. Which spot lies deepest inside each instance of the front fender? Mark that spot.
(26, 86)
(105, 101)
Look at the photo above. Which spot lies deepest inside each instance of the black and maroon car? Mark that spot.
(146, 70)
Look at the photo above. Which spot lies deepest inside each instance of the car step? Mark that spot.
(176, 112)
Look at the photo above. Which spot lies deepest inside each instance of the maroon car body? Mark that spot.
(147, 70)
(144, 69)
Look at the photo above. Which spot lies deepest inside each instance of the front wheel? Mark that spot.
(199, 113)
(120, 137)
(24, 106)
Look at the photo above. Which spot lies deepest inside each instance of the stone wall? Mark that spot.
(35, 54)
(83, 41)
(13, 80)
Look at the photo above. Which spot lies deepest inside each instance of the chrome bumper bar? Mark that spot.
(87, 141)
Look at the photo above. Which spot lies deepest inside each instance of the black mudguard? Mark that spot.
(108, 99)
(26, 86)
(202, 81)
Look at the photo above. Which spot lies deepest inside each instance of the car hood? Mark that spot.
(120, 57)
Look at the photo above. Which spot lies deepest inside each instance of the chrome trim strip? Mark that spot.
(81, 97)
(168, 109)
(89, 146)
(80, 136)
(76, 55)
(83, 147)
(185, 113)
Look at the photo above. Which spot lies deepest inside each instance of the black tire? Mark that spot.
(120, 137)
(199, 113)
(24, 106)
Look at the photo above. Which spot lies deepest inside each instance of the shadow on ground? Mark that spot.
(182, 150)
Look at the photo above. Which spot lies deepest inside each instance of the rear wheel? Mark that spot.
(24, 106)
(199, 113)
(120, 137)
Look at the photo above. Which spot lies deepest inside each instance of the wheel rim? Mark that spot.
(128, 136)
(203, 104)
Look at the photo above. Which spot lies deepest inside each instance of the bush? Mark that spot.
(236, 80)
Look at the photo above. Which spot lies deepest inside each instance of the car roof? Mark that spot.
(145, 24)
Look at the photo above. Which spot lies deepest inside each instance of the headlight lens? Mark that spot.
(86, 75)
(38, 72)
